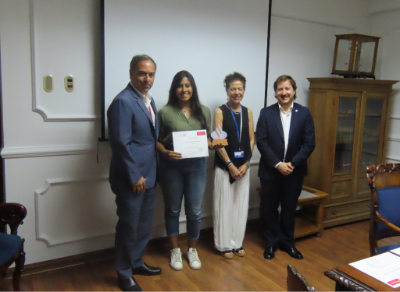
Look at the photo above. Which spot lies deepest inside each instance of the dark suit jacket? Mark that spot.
(133, 141)
(271, 144)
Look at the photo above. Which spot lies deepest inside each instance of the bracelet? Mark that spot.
(247, 164)
(228, 162)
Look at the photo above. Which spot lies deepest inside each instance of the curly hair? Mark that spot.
(235, 76)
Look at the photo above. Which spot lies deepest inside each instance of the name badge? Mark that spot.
(239, 154)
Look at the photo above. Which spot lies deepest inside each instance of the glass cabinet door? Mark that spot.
(371, 132)
(345, 135)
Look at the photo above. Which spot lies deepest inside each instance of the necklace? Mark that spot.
(236, 111)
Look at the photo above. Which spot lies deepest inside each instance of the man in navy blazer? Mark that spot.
(133, 132)
(285, 138)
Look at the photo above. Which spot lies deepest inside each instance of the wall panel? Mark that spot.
(37, 151)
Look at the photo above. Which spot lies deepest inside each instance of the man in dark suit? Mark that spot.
(133, 132)
(285, 139)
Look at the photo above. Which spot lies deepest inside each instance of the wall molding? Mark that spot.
(395, 117)
(158, 229)
(393, 139)
(47, 117)
(383, 11)
(40, 192)
(393, 158)
(44, 151)
(59, 150)
(312, 21)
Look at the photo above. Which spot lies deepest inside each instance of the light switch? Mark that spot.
(48, 83)
(69, 83)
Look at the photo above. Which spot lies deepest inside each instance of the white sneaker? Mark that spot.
(193, 257)
(176, 259)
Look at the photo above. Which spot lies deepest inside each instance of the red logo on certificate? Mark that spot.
(394, 282)
(201, 133)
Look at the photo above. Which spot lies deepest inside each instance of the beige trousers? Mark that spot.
(230, 210)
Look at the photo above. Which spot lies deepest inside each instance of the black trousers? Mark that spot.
(278, 227)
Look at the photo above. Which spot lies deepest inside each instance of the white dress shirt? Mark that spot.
(147, 101)
(286, 117)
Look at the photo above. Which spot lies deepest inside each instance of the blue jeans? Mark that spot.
(178, 179)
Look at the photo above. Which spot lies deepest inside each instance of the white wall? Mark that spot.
(205, 43)
(303, 38)
(50, 153)
(385, 22)
(382, 6)
(50, 167)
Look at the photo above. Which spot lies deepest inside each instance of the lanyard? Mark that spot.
(239, 134)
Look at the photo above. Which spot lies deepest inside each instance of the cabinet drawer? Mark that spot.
(347, 210)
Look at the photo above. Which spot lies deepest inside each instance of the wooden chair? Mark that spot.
(296, 282)
(11, 245)
(384, 181)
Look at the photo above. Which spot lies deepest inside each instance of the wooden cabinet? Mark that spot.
(351, 118)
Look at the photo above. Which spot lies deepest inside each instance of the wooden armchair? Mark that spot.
(11, 245)
(296, 282)
(384, 181)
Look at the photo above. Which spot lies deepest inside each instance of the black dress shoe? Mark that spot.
(292, 251)
(269, 252)
(146, 270)
(128, 284)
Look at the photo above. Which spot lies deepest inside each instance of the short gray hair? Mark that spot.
(138, 58)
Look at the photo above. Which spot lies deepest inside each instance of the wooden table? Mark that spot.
(308, 221)
(348, 278)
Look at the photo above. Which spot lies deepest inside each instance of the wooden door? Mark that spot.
(345, 154)
(372, 137)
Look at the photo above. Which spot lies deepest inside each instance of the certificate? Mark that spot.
(191, 143)
(384, 267)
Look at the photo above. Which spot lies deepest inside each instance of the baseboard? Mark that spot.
(99, 255)
(64, 262)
